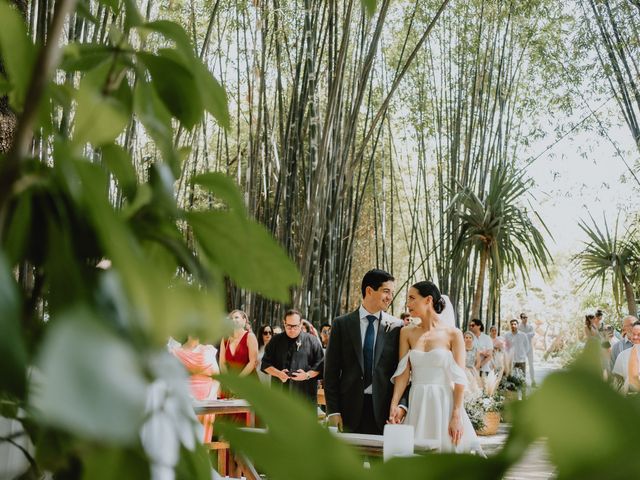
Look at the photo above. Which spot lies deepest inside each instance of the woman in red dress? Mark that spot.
(238, 353)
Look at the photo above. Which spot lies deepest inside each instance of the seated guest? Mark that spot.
(472, 363)
(495, 338)
(627, 362)
(200, 362)
(625, 342)
(590, 327)
(264, 337)
(325, 332)
(484, 345)
(307, 327)
(499, 356)
(294, 358)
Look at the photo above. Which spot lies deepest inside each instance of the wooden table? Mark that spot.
(225, 407)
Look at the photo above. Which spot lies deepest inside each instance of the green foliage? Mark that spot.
(577, 412)
(293, 427)
(90, 333)
(100, 397)
(497, 227)
(607, 256)
(18, 54)
(12, 350)
(108, 266)
(100, 118)
(369, 6)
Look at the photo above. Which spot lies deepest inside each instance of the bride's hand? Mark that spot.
(396, 415)
(455, 428)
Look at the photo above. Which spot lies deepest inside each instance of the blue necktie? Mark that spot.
(367, 350)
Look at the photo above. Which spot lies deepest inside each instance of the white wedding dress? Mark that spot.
(433, 374)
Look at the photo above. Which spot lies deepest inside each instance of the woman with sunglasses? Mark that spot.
(265, 334)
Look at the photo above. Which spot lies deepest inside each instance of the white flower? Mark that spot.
(390, 323)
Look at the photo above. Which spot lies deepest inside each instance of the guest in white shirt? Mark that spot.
(530, 332)
(483, 344)
(518, 346)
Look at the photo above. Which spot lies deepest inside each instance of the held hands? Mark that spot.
(299, 375)
(455, 428)
(396, 414)
(283, 375)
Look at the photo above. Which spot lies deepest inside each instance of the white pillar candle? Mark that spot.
(397, 441)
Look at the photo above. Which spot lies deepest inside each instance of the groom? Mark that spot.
(361, 358)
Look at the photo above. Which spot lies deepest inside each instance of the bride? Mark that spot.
(432, 356)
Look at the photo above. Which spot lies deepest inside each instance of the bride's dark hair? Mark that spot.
(429, 289)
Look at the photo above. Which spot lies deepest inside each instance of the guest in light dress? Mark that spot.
(200, 361)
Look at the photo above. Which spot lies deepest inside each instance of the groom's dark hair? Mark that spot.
(374, 278)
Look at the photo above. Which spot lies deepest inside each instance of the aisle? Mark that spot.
(535, 464)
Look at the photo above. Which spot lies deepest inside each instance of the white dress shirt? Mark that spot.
(527, 329)
(518, 346)
(621, 366)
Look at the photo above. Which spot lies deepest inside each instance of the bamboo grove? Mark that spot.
(356, 138)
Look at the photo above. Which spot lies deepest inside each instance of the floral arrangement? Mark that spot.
(486, 400)
(475, 413)
(514, 381)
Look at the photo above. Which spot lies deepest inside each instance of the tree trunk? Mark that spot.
(631, 298)
(477, 295)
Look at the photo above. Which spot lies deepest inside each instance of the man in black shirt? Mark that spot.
(294, 357)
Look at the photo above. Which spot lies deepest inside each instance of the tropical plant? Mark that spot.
(496, 227)
(607, 256)
(91, 291)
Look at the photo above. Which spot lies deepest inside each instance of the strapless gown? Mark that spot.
(433, 374)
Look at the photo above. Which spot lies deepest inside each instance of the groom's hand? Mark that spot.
(335, 421)
(401, 412)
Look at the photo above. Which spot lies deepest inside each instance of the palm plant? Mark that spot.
(607, 256)
(496, 230)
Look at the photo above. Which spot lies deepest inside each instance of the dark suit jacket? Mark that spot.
(308, 356)
(344, 371)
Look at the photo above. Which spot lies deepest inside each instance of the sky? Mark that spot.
(581, 175)
(584, 175)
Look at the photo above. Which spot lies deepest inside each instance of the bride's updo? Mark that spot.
(429, 289)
